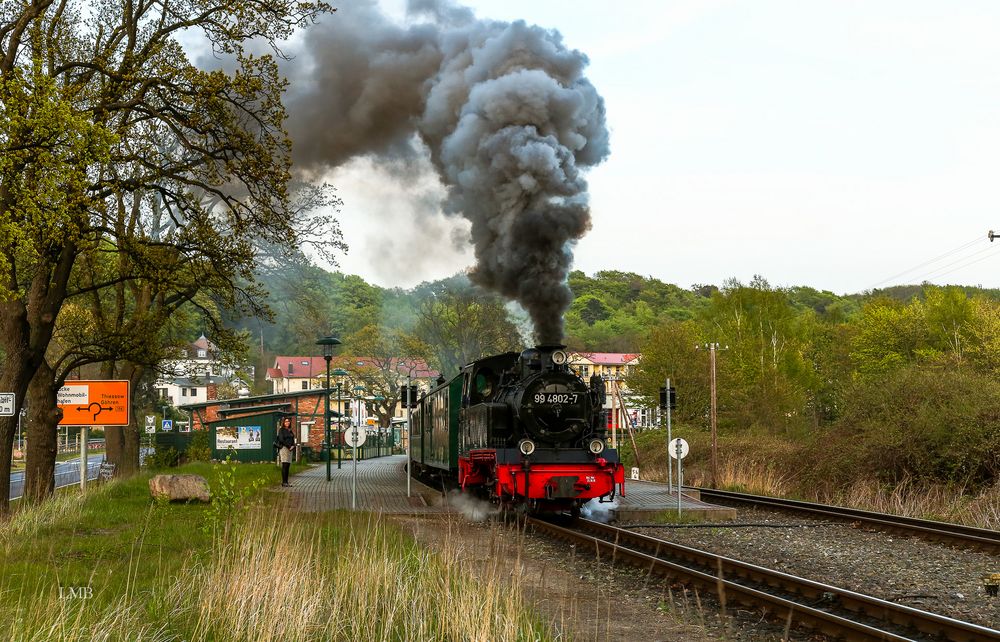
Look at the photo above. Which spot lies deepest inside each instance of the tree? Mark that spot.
(764, 374)
(670, 351)
(101, 104)
(380, 359)
(464, 324)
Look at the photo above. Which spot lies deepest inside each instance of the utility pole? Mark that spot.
(713, 413)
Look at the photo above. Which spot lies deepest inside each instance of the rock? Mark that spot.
(180, 488)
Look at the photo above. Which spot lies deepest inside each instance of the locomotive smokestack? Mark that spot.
(504, 112)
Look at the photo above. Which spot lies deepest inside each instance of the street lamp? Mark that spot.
(328, 343)
(339, 373)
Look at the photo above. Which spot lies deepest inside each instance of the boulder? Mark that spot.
(180, 488)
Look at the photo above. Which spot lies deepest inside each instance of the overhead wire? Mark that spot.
(934, 272)
(931, 261)
(965, 265)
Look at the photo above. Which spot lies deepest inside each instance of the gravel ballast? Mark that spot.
(902, 569)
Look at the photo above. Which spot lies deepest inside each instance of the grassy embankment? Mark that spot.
(170, 572)
(804, 467)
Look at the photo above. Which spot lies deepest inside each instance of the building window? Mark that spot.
(291, 367)
(194, 392)
(585, 371)
(305, 363)
(305, 385)
(184, 392)
(202, 354)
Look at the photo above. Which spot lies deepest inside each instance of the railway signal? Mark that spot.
(668, 397)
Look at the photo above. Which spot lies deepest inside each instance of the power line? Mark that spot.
(960, 267)
(929, 262)
(934, 273)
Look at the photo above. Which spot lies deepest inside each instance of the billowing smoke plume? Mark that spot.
(504, 111)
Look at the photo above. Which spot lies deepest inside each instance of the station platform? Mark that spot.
(381, 488)
(655, 501)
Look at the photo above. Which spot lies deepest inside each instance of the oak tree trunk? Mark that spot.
(42, 432)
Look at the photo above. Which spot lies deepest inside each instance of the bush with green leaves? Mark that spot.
(200, 447)
(163, 457)
(938, 424)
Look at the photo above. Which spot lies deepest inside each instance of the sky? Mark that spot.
(841, 145)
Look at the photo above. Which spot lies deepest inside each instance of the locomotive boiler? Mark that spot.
(520, 429)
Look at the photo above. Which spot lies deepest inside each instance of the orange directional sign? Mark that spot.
(94, 403)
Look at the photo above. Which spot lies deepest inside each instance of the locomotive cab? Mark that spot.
(532, 430)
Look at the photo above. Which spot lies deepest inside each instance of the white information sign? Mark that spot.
(355, 436)
(150, 424)
(635, 473)
(683, 445)
(73, 395)
(6, 404)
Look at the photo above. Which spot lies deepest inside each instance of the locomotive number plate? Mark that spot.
(556, 397)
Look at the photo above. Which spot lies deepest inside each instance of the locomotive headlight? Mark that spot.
(526, 446)
(559, 357)
(596, 446)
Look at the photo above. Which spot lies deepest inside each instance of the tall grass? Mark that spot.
(912, 498)
(267, 580)
(268, 574)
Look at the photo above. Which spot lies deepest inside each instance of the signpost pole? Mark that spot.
(354, 462)
(679, 465)
(84, 434)
(409, 402)
(670, 464)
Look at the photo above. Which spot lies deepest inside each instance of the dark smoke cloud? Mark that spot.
(503, 108)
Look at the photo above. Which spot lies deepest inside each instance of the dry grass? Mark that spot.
(264, 583)
(274, 574)
(749, 475)
(927, 501)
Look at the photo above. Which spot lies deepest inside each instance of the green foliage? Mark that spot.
(200, 447)
(919, 422)
(229, 497)
(163, 458)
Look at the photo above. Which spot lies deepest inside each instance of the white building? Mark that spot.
(196, 374)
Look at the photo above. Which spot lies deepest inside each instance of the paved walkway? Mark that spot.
(643, 498)
(381, 487)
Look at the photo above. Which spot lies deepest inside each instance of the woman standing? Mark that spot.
(284, 443)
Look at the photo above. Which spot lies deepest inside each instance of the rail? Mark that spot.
(969, 536)
(785, 598)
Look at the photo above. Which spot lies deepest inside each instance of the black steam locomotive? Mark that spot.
(519, 429)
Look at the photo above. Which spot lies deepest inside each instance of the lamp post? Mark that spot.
(338, 373)
(328, 343)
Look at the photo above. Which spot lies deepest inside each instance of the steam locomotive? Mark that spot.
(519, 429)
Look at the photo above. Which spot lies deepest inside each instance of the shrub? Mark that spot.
(163, 458)
(939, 425)
(200, 447)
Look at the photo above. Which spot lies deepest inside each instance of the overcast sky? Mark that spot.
(831, 144)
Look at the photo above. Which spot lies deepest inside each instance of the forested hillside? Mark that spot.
(904, 379)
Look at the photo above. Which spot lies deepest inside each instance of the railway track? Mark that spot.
(785, 598)
(956, 534)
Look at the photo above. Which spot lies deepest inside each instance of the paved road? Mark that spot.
(67, 474)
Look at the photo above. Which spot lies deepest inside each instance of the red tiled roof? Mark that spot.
(609, 358)
(317, 367)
